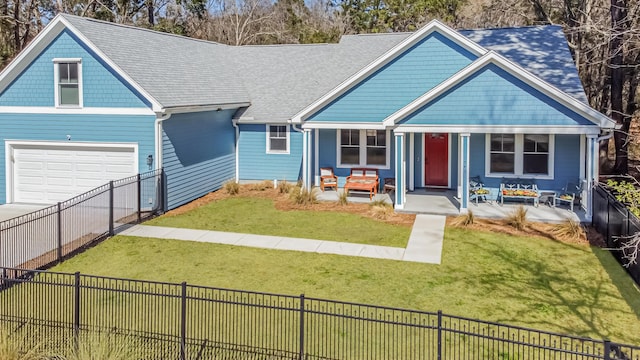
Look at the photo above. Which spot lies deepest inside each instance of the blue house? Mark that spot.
(89, 101)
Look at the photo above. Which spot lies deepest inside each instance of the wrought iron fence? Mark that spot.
(43, 237)
(181, 321)
(614, 221)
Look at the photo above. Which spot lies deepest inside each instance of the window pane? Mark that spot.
(535, 164)
(69, 95)
(279, 144)
(344, 137)
(382, 137)
(355, 137)
(63, 72)
(376, 156)
(496, 142)
(350, 155)
(529, 145)
(502, 163)
(508, 141)
(73, 73)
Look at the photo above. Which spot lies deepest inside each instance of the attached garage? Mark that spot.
(46, 173)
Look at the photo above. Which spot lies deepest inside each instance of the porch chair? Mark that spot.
(568, 194)
(328, 178)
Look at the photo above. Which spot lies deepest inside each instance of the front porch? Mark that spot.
(445, 202)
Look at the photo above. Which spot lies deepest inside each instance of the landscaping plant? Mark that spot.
(302, 196)
(101, 346)
(232, 187)
(284, 187)
(343, 198)
(517, 218)
(569, 230)
(464, 220)
(12, 347)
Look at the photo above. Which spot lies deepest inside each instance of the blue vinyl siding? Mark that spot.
(256, 164)
(101, 86)
(566, 162)
(90, 128)
(404, 79)
(328, 156)
(198, 154)
(492, 96)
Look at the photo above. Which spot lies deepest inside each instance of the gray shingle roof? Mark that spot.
(175, 70)
(281, 80)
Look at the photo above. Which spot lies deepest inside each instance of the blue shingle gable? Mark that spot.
(418, 69)
(102, 87)
(492, 96)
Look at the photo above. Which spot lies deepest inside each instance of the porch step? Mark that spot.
(425, 241)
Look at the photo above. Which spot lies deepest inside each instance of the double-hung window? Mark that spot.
(363, 148)
(278, 139)
(525, 155)
(68, 82)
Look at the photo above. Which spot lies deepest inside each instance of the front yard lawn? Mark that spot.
(519, 280)
(255, 215)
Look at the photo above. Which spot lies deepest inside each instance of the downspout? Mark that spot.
(160, 117)
(234, 122)
(305, 159)
(607, 136)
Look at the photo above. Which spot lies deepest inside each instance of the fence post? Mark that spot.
(163, 191)
(76, 310)
(439, 335)
(111, 232)
(607, 350)
(139, 199)
(183, 323)
(301, 340)
(59, 233)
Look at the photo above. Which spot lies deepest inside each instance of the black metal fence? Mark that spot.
(614, 221)
(43, 237)
(180, 321)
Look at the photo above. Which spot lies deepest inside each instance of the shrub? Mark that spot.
(232, 187)
(343, 198)
(569, 229)
(381, 209)
(262, 186)
(102, 346)
(518, 218)
(284, 187)
(464, 220)
(12, 347)
(302, 196)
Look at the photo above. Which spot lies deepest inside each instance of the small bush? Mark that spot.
(518, 218)
(284, 187)
(12, 347)
(464, 220)
(262, 186)
(381, 209)
(343, 198)
(569, 230)
(103, 347)
(232, 187)
(301, 196)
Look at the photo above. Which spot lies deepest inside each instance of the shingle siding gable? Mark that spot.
(405, 78)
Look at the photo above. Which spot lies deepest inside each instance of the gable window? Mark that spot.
(278, 139)
(526, 155)
(363, 148)
(68, 82)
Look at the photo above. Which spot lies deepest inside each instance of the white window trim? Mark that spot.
(268, 136)
(363, 151)
(56, 79)
(518, 159)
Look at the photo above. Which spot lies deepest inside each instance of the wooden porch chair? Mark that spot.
(568, 194)
(328, 178)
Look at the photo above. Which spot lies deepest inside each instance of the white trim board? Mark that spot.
(71, 111)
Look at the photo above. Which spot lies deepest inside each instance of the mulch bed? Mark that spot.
(282, 202)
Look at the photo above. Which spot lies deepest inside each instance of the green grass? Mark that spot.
(521, 281)
(259, 216)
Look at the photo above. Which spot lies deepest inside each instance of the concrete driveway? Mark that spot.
(10, 211)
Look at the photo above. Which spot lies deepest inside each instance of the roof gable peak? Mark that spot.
(434, 26)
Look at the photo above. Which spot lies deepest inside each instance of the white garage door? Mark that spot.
(46, 174)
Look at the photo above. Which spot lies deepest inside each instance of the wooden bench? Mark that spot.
(362, 179)
(519, 189)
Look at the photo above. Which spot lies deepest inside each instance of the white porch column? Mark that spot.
(412, 162)
(400, 170)
(464, 172)
(306, 159)
(592, 172)
(316, 156)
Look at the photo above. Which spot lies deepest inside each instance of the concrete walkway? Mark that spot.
(424, 245)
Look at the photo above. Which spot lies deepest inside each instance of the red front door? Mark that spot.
(436, 159)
